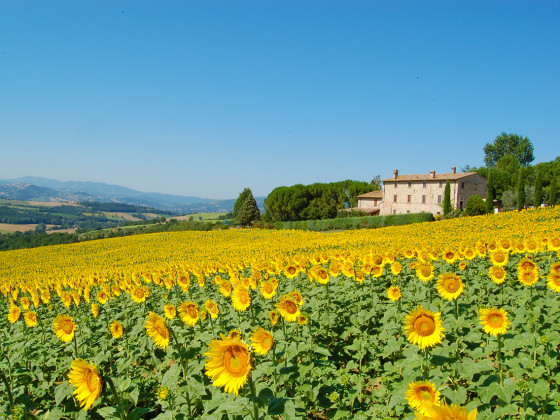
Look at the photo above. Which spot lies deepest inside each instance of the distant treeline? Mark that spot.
(97, 206)
(312, 202)
(31, 239)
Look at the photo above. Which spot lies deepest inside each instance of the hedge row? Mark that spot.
(369, 222)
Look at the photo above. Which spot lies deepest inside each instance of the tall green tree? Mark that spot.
(553, 195)
(509, 144)
(447, 208)
(538, 190)
(240, 200)
(520, 190)
(489, 193)
(249, 211)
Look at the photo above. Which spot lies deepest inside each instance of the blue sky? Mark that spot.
(208, 97)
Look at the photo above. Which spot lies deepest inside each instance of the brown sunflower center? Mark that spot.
(425, 271)
(424, 325)
(266, 341)
(290, 307)
(139, 293)
(161, 329)
(291, 270)
(236, 360)
(451, 285)
(499, 273)
(499, 257)
(67, 326)
(424, 393)
(495, 320)
(191, 310)
(92, 380)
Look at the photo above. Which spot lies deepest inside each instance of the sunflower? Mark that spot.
(288, 309)
(225, 288)
(228, 364)
(296, 297)
(169, 311)
(394, 293)
(102, 297)
(444, 411)
(14, 314)
(553, 281)
(449, 286)
(463, 265)
(116, 329)
(240, 299)
(64, 328)
(66, 299)
(396, 268)
(87, 381)
(322, 275)
(184, 282)
(188, 312)
(25, 303)
(421, 394)
(273, 317)
(95, 310)
(302, 319)
(234, 334)
(162, 393)
(425, 271)
(262, 341)
(268, 290)
(157, 330)
(423, 327)
(30, 318)
(139, 294)
(499, 257)
(212, 308)
(555, 268)
(495, 321)
(497, 274)
(526, 264)
(528, 278)
(450, 256)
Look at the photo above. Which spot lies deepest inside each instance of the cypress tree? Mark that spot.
(553, 196)
(249, 211)
(447, 199)
(538, 190)
(520, 190)
(240, 200)
(489, 194)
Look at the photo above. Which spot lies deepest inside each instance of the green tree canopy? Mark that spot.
(447, 208)
(240, 200)
(475, 205)
(509, 144)
(249, 211)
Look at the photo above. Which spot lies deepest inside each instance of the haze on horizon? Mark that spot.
(207, 98)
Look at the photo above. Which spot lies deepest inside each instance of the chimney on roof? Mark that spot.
(396, 173)
(432, 174)
(453, 170)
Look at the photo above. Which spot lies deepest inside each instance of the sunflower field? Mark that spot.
(456, 319)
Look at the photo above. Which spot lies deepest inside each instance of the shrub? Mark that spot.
(475, 205)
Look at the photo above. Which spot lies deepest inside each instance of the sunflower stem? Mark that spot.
(500, 360)
(184, 367)
(254, 398)
(122, 414)
(8, 388)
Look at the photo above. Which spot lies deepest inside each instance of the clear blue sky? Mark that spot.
(208, 97)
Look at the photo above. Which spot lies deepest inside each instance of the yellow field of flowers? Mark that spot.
(451, 319)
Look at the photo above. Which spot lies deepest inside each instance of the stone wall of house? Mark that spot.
(368, 203)
(416, 196)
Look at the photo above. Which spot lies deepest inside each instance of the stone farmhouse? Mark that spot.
(424, 192)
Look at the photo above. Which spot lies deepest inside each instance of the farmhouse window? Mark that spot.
(462, 185)
(439, 199)
(423, 199)
(396, 185)
(408, 199)
(424, 184)
(409, 184)
(395, 198)
(440, 184)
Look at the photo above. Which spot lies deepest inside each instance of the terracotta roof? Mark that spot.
(372, 194)
(428, 177)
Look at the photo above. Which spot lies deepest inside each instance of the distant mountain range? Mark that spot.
(44, 189)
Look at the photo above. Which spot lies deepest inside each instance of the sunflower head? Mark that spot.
(262, 341)
(497, 274)
(394, 293)
(116, 329)
(423, 327)
(169, 311)
(212, 308)
(495, 321)
(30, 318)
(449, 286)
(228, 364)
(157, 330)
(288, 309)
(188, 312)
(240, 298)
(273, 317)
(87, 381)
(442, 411)
(422, 394)
(14, 313)
(64, 328)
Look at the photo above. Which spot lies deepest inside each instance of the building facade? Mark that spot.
(424, 192)
(370, 202)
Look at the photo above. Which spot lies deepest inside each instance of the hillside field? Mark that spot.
(418, 321)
